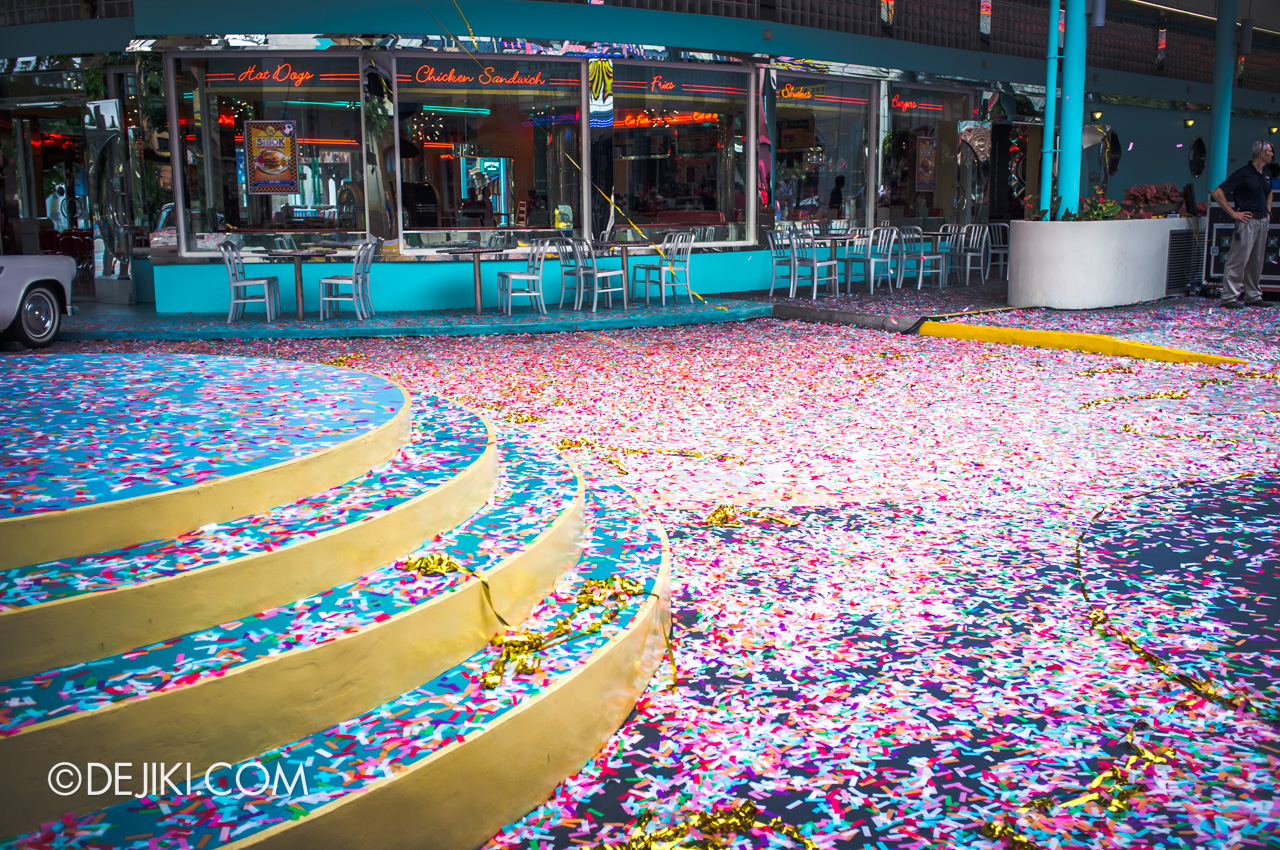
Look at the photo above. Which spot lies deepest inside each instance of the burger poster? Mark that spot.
(271, 157)
(926, 164)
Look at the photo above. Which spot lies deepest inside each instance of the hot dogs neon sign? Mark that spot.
(283, 73)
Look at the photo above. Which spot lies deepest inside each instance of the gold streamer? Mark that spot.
(521, 649)
(655, 245)
(738, 820)
(781, 519)
(344, 360)
(727, 516)
(568, 443)
(1112, 787)
(1099, 620)
(438, 563)
(1175, 394)
(524, 418)
(432, 564)
(723, 516)
(1107, 370)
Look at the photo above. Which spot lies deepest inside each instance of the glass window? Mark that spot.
(922, 174)
(488, 147)
(821, 153)
(679, 136)
(315, 99)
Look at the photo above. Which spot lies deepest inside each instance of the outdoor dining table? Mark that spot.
(297, 256)
(475, 262)
(850, 241)
(624, 247)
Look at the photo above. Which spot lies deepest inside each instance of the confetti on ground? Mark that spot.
(910, 659)
(82, 430)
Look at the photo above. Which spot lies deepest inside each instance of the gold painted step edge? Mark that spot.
(273, 701)
(460, 796)
(1093, 343)
(92, 625)
(54, 535)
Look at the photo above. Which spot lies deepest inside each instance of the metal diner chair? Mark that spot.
(331, 287)
(528, 283)
(588, 269)
(240, 285)
(673, 260)
(805, 256)
(780, 251)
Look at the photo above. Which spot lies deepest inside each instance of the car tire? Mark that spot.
(38, 319)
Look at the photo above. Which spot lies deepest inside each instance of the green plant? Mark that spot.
(1098, 207)
(1095, 208)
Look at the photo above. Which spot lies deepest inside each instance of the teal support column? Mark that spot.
(1072, 132)
(1224, 70)
(1050, 107)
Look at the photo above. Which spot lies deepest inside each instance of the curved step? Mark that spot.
(106, 450)
(64, 612)
(327, 657)
(447, 764)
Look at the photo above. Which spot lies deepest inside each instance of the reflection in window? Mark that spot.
(923, 174)
(678, 149)
(821, 140)
(321, 96)
(487, 146)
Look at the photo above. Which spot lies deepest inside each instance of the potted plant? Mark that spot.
(1106, 254)
(1148, 200)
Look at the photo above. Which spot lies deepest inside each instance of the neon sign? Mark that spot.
(904, 105)
(659, 84)
(488, 77)
(640, 119)
(793, 92)
(283, 73)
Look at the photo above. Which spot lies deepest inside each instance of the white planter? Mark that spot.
(1079, 265)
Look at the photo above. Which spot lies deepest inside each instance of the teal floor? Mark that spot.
(112, 321)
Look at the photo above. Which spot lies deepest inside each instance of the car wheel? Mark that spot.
(36, 324)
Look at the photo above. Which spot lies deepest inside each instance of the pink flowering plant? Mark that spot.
(1142, 200)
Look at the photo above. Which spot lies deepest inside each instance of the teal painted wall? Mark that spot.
(396, 286)
(532, 19)
(144, 281)
(1162, 146)
(106, 35)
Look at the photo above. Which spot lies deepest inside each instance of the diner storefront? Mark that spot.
(296, 142)
(429, 148)
(435, 149)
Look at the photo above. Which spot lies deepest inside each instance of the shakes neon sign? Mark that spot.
(794, 92)
(283, 73)
(485, 77)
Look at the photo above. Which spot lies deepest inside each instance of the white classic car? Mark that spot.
(35, 290)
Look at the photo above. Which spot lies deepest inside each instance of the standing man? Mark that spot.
(1249, 188)
(835, 204)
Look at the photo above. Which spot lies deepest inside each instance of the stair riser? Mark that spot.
(232, 717)
(458, 798)
(111, 525)
(80, 628)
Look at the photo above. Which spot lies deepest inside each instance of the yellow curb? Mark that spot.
(1094, 343)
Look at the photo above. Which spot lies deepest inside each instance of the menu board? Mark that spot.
(271, 157)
